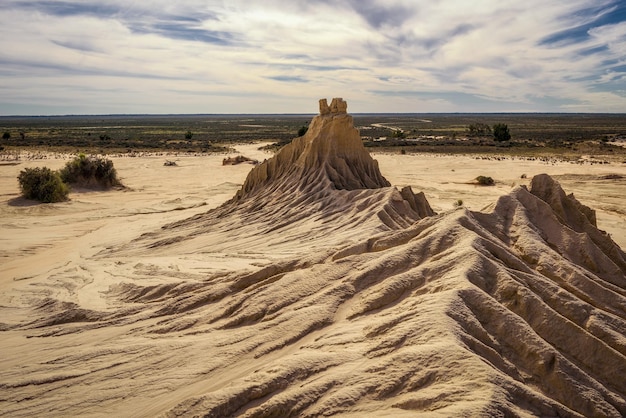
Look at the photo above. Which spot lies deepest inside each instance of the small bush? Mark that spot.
(303, 130)
(398, 134)
(188, 135)
(458, 203)
(42, 184)
(501, 132)
(478, 129)
(90, 172)
(485, 181)
(238, 160)
(6, 135)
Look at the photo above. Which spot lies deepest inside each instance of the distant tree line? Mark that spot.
(500, 131)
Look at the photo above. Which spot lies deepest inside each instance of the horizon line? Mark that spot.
(299, 114)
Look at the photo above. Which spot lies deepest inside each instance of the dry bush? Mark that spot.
(90, 172)
(42, 184)
(485, 181)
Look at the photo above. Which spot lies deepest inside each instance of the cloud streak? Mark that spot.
(195, 56)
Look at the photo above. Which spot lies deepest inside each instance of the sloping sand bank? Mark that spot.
(311, 285)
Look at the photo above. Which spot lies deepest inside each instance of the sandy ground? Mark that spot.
(443, 179)
(163, 194)
(54, 251)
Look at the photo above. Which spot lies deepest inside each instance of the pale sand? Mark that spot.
(337, 321)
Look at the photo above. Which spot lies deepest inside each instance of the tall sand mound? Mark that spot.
(516, 310)
(330, 155)
(320, 190)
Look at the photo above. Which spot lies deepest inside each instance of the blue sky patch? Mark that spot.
(591, 17)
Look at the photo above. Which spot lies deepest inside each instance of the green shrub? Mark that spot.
(303, 129)
(42, 184)
(485, 181)
(501, 132)
(90, 172)
(398, 133)
(6, 135)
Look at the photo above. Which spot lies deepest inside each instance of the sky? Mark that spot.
(281, 56)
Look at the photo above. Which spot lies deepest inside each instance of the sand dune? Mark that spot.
(318, 289)
(320, 191)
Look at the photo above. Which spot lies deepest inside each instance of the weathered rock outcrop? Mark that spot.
(322, 181)
(330, 154)
(352, 302)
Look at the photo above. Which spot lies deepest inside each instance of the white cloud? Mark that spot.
(614, 36)
(197, 56)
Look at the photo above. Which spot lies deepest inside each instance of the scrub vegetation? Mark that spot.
(43, 185)
(515, 134)
(90, 172)
(48, 186)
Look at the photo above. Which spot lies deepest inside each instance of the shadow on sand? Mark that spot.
(23, 202)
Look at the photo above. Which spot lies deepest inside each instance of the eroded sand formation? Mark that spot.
(371, 305)
(323, 184)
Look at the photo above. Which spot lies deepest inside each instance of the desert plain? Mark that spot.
(160, 299)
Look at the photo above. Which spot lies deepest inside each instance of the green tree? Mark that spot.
(501, 132)
(6, 135)
(42, 184)
(188, 135)
(303, 130)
